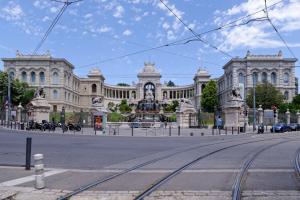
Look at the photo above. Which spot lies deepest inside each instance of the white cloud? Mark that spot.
(104, 29)
(12, 12)
(127, 32)
(285, 16)
(119, 11)
(88, 15)
(53, 9)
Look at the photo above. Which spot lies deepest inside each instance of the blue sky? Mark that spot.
(93, 31)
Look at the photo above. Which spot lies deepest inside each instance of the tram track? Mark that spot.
(157, 184)
(113, 176)
(154, 186)
(242, 176)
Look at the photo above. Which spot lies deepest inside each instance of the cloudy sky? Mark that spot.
(100, 33)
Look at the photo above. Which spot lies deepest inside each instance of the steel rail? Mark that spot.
(105, 179)
(169, 176)
(237, 186)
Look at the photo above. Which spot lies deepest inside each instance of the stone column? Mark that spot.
(260, 114)
(288, 116)
(298, 117)
(6, 114)
(19, 112)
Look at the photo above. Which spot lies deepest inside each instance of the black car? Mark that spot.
(294, 127)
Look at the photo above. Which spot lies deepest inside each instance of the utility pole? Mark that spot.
(254, 105)
(9, 98)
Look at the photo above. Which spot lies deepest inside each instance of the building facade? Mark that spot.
(63, 88)
(244, 73)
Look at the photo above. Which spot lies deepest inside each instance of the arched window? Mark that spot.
(202, 87)
(55, 94)
(55, 78)
(273, 78)
(255, 77)
(286, 78)
(32, 75)
(264, 77)
(94, 88)
(286, 95)
(42, 77)
(12, 75)
(241, 78)
(24, 76)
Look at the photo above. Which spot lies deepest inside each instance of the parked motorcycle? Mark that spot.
(74, 127)
(260, 129)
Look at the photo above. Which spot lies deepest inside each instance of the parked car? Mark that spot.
(280, 127)
(260, 129)
(294, 127)
(135, 125)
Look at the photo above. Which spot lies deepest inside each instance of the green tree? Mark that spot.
(124, 107)
(123, 84)
(296, 99)
(170, 84)
(20, 91)
(209, 96)
(172, 106)
(266, 95)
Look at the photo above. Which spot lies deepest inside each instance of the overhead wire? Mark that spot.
(54, 22)
(276, 30)
(181, 41)
(194, 33)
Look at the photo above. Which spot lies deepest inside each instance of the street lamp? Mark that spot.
(254, 104)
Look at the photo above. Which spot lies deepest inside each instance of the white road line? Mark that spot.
(29, 178)
(184, 171)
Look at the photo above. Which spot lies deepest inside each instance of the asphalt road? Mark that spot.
(90, 158)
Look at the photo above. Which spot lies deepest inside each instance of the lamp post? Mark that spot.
(254, 105)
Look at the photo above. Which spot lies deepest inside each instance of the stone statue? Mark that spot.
(149, 95)
(236, 93)
(97, 100)
(186, 101)
(39, 93)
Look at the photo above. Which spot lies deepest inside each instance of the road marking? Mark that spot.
(184, 171)
(29, 178)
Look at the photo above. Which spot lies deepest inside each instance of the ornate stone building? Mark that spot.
(244, 73)
(63, 88)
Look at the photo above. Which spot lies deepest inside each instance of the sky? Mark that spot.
(100, 33)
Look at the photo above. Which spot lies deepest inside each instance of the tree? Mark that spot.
(209, 97)
(124, 107)
(123, 84)
(266, 95)
(172, 106)
(296, 100)
(20, 91)
(170, 84)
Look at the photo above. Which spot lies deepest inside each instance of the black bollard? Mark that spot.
(178, 130)
(132, 130)
(28, 154)
(232, 130)
(170, 130)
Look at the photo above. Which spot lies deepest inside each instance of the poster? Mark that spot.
(98, 123)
